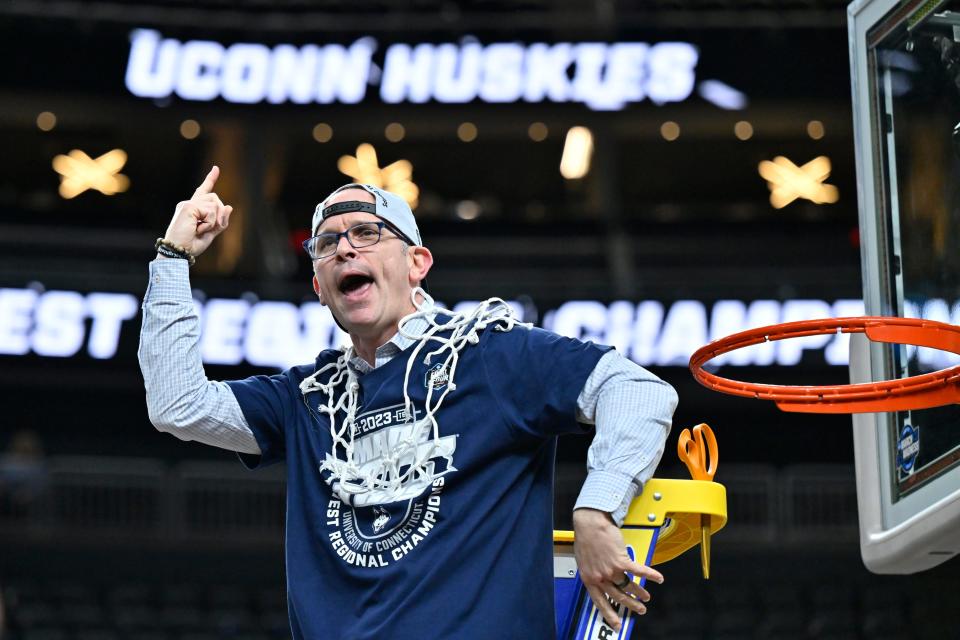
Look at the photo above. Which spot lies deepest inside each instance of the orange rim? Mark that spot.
(918, 392)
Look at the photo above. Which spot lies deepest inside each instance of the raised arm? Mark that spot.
(180, 399)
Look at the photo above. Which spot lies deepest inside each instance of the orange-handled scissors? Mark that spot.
(698, 450)
(700, 453)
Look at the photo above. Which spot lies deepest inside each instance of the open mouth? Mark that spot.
(354, 283)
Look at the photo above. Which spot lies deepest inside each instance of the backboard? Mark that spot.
(905, 72)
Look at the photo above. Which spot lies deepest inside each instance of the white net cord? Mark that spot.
(407, 466)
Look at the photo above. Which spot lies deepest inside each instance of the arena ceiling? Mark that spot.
(420, 15)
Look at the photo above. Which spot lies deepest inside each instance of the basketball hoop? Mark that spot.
(918, 392)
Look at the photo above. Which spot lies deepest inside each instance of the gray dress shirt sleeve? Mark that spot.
(632, 410)
(180, 399)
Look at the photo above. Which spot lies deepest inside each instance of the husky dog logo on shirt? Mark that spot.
(383, 517)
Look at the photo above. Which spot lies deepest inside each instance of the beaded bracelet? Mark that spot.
(170, 250)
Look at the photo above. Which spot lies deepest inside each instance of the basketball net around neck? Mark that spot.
(406, 468)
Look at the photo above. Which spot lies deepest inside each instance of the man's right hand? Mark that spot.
(197, 221)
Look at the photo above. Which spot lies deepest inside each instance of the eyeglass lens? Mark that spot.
(359, 236)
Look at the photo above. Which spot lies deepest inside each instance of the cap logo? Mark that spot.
(374, 190)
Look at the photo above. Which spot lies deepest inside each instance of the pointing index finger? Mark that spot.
(207, 185)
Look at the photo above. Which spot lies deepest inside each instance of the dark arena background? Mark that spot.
(596, 163)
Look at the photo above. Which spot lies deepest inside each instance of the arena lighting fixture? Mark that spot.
(787, 181)
(189, 129)
(670, 130)
(396, 176)
(79, 172)
(322, 132)
(577, 153)
(743, 130)
(46, 121)
(394, 132)
(467, 132)
(815, 129)
(468, 210)
(538, 131)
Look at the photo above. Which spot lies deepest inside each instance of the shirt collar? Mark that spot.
(392, 347)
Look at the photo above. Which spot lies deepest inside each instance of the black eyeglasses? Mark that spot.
(364, 234)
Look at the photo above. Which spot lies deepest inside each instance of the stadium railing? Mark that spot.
(146, 500)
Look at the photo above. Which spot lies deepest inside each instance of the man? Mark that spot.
(419, 460)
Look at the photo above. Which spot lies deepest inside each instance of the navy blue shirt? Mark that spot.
(470, 555)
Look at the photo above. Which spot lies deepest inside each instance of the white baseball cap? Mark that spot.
(387, 206)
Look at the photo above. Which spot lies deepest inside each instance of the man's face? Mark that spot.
(367, 289)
